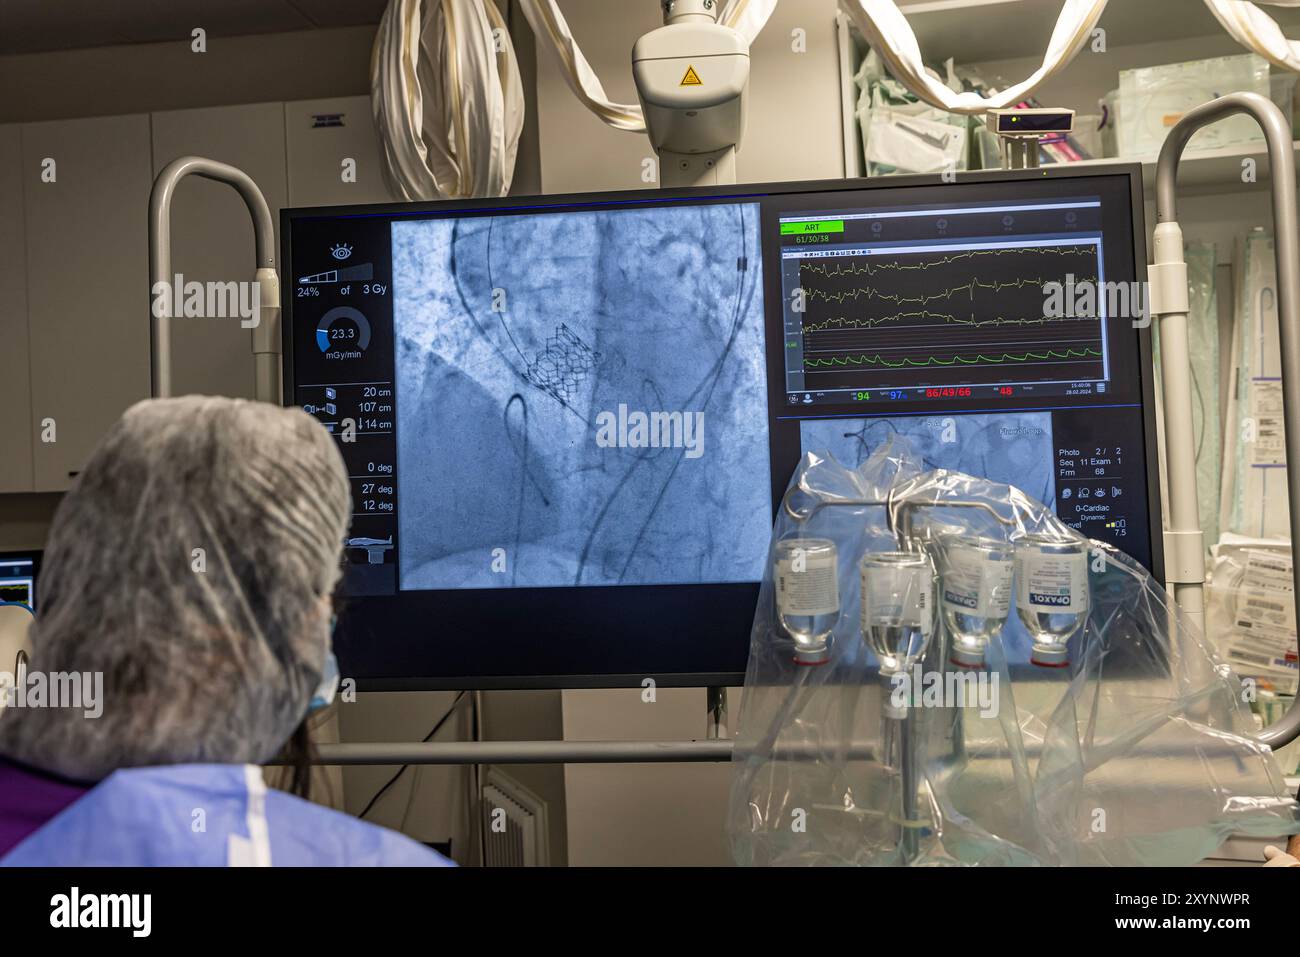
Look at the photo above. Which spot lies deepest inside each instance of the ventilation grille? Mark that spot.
(514, 824)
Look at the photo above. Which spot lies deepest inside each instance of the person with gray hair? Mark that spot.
(189, 576)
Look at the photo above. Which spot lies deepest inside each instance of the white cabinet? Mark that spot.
(87, 282)
(295, 154)
(319, 136)
(74, 266)
(212, 235)
(15, 378)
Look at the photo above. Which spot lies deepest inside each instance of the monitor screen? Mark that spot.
(18, 571)
(568, 420)
(598, 380)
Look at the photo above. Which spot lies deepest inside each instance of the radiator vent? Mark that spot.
(514, 824)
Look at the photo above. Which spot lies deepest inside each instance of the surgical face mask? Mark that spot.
(323, 697)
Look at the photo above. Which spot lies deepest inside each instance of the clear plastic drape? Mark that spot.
(942, 672)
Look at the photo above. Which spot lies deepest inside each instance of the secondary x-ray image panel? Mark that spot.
(1015, 448)
(581, 398)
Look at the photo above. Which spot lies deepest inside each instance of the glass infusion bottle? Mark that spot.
(976, 594)
(1051, 594)
(806, 577)
(897, 607)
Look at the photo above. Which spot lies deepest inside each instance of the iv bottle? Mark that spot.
(1051, 594)
(897, 607)
(805, 573)
(975, 594)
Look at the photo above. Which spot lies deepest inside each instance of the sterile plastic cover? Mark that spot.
(1137, 753)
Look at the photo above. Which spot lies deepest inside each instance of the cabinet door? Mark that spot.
(15, 376)
(212, 235)
(320, 135)
(86, 197)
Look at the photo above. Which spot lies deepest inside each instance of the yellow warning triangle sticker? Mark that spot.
(691, 78)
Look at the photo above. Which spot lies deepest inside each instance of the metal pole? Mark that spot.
(1184, 517)
(527, 752)
(718, 723)
(630, 752)
(266, 334)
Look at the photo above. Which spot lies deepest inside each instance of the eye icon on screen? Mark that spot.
(343, 330)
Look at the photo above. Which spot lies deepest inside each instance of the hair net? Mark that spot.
(191, 564)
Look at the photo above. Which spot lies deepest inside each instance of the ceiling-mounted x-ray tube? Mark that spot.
(748, 17)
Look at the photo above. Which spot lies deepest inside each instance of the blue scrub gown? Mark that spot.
(208, 815)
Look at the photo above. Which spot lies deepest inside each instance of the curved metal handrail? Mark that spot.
(1286, 248)
(266, 335)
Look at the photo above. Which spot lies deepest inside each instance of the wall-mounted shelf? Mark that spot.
(975, 31)
(1204, 171)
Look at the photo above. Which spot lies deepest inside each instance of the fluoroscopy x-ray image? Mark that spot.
(581, 399)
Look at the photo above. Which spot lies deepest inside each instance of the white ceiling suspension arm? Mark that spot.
(887, 30)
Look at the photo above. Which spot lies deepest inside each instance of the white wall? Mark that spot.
(145, 77)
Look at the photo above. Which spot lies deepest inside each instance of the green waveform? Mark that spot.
(969, 288)
(870, 267)
(843, 322)
(880, 360)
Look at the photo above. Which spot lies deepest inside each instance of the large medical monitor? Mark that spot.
(568, 419)
(18, 572)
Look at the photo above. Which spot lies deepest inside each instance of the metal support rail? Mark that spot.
(1185, 543)
(266, 334)
(527, 752)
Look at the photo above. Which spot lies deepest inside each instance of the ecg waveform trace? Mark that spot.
(967, 317)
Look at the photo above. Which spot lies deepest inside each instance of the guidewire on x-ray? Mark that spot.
(517, 422)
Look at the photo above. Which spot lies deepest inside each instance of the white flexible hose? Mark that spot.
(747, 17)
(447, 99)
(552, 31)
(889, 33)
(1256, 30)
